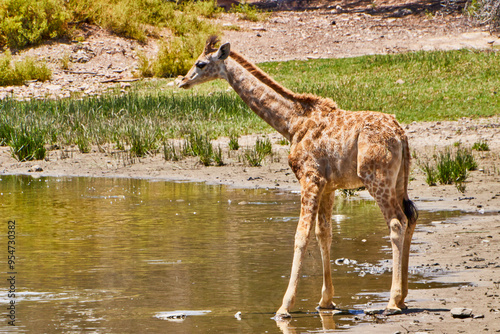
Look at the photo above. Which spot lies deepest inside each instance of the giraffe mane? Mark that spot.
(310, 100)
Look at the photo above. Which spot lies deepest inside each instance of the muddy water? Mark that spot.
(122, 255)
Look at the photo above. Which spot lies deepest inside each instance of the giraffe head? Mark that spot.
(208, 66)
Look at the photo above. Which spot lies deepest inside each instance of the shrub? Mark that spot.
(27, 143)
(486, 12)
(177, 55)
(247, 12)
(20, 71)
(28, 22)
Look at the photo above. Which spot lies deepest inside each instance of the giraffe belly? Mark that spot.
(343, 175)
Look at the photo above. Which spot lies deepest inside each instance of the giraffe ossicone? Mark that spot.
(330, 149)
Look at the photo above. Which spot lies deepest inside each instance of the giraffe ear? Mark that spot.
(223, 51)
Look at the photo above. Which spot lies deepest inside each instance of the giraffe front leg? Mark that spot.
(324, 237)
(311, 192)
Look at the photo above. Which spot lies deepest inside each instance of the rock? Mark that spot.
(35, 168)
(479, 316)
(461, 312)
(54, 87)
(373, 311)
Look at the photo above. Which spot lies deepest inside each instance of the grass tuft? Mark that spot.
(170, 152)
(27, 143)
(451, 167)
(255, 156)
(481, 146)
(17, 73)
(233, 142)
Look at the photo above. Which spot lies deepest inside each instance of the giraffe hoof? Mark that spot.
(403, 306)
(391, 311)
(330, 306)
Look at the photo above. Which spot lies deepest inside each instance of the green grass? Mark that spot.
(439, 85)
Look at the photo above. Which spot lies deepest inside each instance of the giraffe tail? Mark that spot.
(409, 207)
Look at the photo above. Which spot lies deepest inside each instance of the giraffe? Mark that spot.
(330, 149)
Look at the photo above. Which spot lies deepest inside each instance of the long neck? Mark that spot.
(273, 103)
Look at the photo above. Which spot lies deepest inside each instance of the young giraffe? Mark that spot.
(330, 149)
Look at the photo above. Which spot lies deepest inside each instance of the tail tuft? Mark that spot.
(410, 211)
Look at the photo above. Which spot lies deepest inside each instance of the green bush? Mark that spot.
(486, 12)
(20, 71)
(177, 55)
(28, 22)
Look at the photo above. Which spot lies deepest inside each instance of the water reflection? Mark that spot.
(110, 255)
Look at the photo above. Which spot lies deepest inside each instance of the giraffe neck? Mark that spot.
(275, 106)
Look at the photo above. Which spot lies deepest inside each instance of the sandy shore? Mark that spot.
(466, 249)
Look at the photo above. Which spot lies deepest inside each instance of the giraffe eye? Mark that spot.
(200, 64)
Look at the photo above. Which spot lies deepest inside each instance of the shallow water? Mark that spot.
(110, 255)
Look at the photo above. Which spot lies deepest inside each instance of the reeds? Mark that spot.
(27, 143)
(449, 167)
(256, 155)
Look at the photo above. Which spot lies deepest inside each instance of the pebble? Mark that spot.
(35, 168)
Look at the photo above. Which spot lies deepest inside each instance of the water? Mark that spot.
(109, 255)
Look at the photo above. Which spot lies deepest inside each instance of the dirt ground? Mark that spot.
(468, 248)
